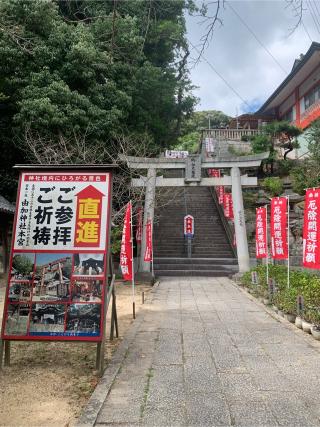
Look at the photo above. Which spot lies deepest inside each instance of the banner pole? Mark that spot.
(133, 285)
(267, 257)
(288, 240)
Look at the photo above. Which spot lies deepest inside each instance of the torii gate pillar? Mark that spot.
(144, 266)
(239, 221)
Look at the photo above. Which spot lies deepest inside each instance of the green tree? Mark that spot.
(22, 264)
(192, 126)
(307, 172)
(90, 69)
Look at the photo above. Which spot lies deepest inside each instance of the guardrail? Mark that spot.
(229, 134)
(227, 227)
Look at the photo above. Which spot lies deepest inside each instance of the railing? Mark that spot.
(229, 134)
(227, 227)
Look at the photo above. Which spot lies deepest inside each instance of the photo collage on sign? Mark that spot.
(55, 294)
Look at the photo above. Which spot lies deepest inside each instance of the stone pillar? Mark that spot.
(145, 267)
(239, 221)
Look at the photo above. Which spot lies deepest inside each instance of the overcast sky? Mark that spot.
(236, 54)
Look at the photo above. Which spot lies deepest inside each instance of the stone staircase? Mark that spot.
(212, 254)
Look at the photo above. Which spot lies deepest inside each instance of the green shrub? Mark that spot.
(301, 283)
(273, 185)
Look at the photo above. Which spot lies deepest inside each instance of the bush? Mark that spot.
(301, 283)
(273, 185)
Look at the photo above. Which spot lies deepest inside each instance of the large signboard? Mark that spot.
(58, 267)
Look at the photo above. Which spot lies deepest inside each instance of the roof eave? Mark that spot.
(312, 49)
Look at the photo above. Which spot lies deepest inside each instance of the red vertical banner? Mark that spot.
(311, 229)
(214, 173)
(261, 233)
(126, 246)
(220, 191)
(148, 252)
(139, 225)
(227, 205)
(278, 228)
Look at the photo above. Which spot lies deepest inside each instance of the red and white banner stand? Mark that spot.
(311, 229)
(126, 253)
(216, 173)
(228, 206)
(261, 232)
(279, 228)
(262, 236)
(220, 194)
(148, 255)
(139, 225)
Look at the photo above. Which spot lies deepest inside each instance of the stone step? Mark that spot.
(212, 261)
(184, 273)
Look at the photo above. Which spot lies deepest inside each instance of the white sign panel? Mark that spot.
(62, 211)
(176, 154)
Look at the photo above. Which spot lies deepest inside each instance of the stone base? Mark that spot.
(144, 277)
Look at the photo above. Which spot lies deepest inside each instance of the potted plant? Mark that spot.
(314, 316)
(306, 321)
(289, 305)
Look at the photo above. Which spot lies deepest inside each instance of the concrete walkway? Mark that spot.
(205, 354)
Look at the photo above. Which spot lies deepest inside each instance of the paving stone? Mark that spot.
(289, 410)
(252, 414)
(161, 416)
(200, 376)
(207, 409)
(239, 387)
(121, 408)
(217, 359)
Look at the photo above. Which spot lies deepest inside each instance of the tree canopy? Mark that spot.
(92, 69)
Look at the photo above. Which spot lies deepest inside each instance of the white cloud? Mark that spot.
(241, 60)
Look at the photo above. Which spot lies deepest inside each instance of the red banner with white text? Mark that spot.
(311, 229)
(126, 246)
(228, 206)
(261, 232)
(278, 228)
(148, 252)
(220, 191)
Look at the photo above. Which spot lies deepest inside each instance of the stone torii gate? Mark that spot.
(193, 166)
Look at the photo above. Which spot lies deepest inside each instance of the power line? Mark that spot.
(256, 37)
(305, 28)
(218, 74)
(316, 7)
(311, 11)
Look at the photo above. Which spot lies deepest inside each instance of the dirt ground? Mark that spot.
(48, 383)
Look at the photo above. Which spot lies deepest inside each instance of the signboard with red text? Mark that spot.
(261, 232)
(278, 228)
(188, 226)
(311, 229)
(59, 255)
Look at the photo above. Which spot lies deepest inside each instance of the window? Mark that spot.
(288, 116)
(311, 97)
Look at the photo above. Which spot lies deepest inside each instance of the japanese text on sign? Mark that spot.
(58, 263)
(261, 232)
(311, 229)
(278, 226)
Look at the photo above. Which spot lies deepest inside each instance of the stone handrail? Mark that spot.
(230, 134)
(227, 227)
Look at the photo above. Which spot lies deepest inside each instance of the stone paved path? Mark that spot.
(207, 355)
